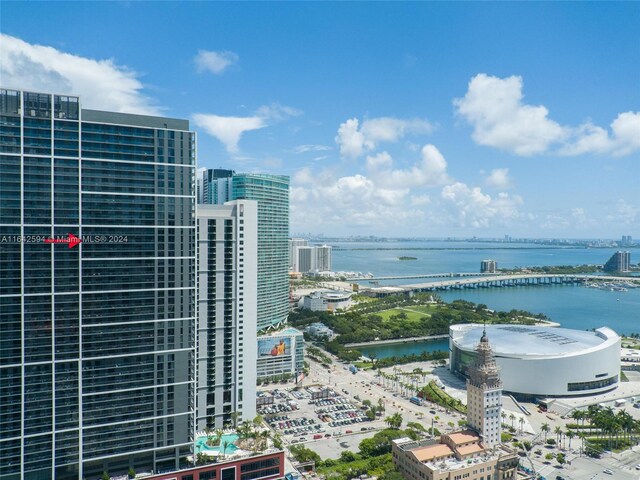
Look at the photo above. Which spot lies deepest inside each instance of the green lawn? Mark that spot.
(427, 309)
(414, 314)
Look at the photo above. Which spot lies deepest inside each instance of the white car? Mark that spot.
(608, 471)
(638, 466)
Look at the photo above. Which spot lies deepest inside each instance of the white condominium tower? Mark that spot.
(307, 258)
(484, 395)
(227, 291)
(323, 258)
(293, 243)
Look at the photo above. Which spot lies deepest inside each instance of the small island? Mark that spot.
(407, 258)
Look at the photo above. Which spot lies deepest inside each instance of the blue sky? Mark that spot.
(397, 119)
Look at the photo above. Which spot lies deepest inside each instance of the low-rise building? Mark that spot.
(459, 455)
(280, 354)
(326, 301)
(266, 466)
(319, 330)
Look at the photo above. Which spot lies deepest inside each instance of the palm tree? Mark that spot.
(504, 416)
(512, 417)
(582, 436)
(217, 436)
(545, 429)
(209, 433)
(264, 439)
(626, 422)
(570, 435)
(277, 440)
(521, 422)
(225, 444)
(394, 421)
(244, 430)
(578, 415)
(558, 432)
(234, 418)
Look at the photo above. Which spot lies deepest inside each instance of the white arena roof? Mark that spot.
(523, 340)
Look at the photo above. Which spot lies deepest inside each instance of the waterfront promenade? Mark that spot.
(393, 341)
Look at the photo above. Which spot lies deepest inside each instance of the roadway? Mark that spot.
(521, 278)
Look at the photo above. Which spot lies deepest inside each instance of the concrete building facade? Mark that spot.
(538, 361)
(293, 243)
(484, 395)
(488, 266)
(620, 262)
(455, 456)
(304, 260)
(280, 354)
(326, 301)
(227, 311)
(309, 259)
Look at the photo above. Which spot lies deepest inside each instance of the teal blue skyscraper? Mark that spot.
(272, 194)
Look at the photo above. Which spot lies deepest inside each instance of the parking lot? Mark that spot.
(299, 417)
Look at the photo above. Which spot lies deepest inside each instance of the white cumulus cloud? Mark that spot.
(625, 213)
(215, 62)
(494, 107)
(229, 130)
(101, 84)
(354, 139)
(624, 138)
(430, 170)
(498, 178)
(470, 207)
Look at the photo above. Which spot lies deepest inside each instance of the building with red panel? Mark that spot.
(268, 466)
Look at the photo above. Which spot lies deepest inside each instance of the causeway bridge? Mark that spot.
(422, 275)
(524, 279)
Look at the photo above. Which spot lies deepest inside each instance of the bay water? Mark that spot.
(575, 307)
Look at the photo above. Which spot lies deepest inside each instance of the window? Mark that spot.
(228, 473)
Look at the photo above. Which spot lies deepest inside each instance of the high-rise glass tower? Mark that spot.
(272, 194)
(97, 340)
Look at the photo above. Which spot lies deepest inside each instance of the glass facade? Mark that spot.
(96, 341)
(272, 194)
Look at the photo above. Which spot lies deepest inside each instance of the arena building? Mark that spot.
(540, 361)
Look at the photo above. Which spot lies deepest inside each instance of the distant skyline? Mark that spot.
(392, 119)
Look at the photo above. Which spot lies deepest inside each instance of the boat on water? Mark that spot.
(611, 286)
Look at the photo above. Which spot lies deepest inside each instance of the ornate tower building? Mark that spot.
(484, 394)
